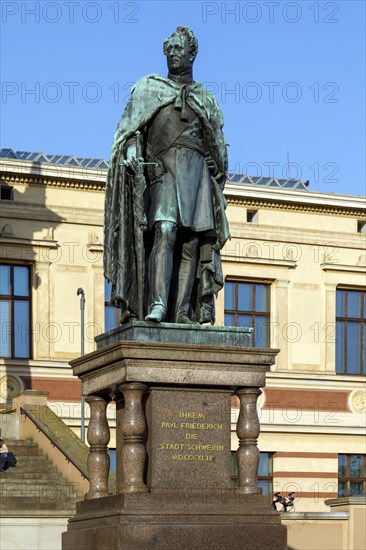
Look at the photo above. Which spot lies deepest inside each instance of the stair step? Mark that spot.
(34, 484)
(25, 451)
(33, 504)
(32, 466)
(17, 443)
(29, 469)
(4, 480)
(16, 473)
(38, 457)
(40, 491)
(42, 496)
(32, 469)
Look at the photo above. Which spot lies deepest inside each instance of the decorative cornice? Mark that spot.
(59, 171)
(28, 242)
(95, 247)
(277, 262)
(280, 204)
(64, 214)
(81, 178)
(297, 196)
(343, 267)
(54, 182)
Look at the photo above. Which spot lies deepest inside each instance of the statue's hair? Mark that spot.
(190, 37)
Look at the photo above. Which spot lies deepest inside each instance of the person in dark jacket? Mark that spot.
(3, 455)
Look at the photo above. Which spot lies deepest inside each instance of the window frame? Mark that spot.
(348, 479)
(12, 298)
(344, 320)
(252, 313)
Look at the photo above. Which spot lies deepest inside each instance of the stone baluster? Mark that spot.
(247, 430)
(133, 453)
(120, 406)
(98, 439)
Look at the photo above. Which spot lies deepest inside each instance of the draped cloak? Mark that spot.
(149, 95)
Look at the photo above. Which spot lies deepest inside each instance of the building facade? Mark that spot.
(294, 271)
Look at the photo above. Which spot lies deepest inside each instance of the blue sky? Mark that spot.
(289, 77)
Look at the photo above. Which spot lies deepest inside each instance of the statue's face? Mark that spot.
(179, 58)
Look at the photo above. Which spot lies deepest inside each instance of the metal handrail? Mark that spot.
(53, 442)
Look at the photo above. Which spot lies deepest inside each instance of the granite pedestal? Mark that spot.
(173, 414)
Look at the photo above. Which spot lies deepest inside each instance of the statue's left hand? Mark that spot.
(211, 164)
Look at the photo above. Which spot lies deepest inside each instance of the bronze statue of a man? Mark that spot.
(164, 232)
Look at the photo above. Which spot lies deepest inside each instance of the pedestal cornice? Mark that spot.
(186, 364)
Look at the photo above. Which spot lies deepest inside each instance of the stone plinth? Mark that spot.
(176, 333)
(183, 521)
(173, 416)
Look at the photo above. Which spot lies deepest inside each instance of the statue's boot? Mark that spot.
(207, 310)
(156, 314)
(183, 319)
(186, 277)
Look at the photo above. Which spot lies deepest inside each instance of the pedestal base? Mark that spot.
(173, 387)
(201, 521)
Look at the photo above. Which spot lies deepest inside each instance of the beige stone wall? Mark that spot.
(315, 532)
(26, 533)
(304, 245)
(355, 508)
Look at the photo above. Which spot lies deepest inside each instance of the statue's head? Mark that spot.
(181, 49)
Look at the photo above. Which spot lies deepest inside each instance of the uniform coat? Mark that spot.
(150, 95)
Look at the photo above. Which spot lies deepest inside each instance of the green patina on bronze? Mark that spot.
(165, 221)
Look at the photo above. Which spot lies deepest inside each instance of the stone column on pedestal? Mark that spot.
(133, 453)
(98, 439)
(120, 406)
(247, 430)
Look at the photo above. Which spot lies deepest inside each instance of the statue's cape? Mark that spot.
(149, 95)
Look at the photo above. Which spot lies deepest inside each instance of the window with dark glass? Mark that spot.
(265, 472)
(6, 193)
(361, 226)
(350, 331)
(252, 216)
(247, 305)
(111, 313)
(15, 311)
(351, 475)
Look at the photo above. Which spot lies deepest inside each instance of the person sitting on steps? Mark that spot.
(3, 455)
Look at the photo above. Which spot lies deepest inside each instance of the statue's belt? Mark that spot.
(182, 141)
(190, 143)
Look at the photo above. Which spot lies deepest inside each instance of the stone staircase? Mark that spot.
(34, 487)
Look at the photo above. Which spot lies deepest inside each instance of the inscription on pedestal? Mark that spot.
(189, 438)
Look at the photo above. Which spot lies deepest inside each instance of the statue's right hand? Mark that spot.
(132, 165)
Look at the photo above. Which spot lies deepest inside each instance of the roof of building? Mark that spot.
(65, 160)
(102, 164)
